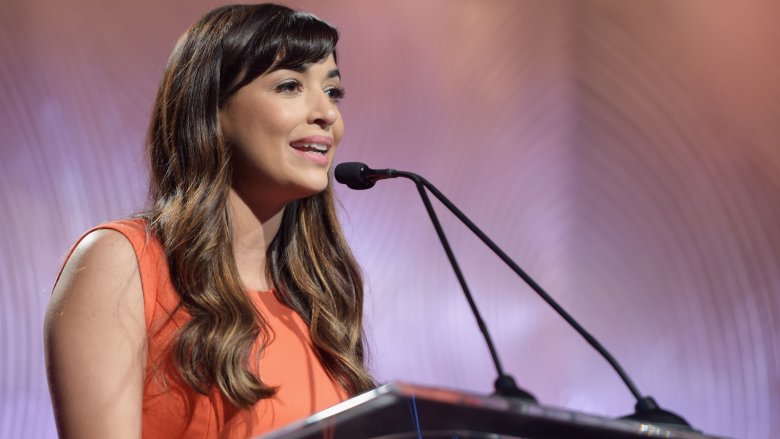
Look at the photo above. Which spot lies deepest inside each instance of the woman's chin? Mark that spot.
(311, 186)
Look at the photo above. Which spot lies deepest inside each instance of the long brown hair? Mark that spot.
(309, 261)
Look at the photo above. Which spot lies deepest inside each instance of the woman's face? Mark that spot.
(284, 126)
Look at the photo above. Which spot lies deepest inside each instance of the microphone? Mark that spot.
(646, 409)
(359, 176)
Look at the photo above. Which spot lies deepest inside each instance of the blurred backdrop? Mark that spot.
(626, 154)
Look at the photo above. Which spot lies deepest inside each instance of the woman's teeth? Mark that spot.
(312, 147)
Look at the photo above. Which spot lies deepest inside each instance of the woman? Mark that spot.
(233, 306)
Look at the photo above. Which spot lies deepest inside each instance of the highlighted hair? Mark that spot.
(309, 261)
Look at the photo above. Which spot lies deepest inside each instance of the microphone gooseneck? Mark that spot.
(646, 409)
(360, 176)
(504, 384)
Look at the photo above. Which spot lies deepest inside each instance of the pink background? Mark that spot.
(625, 153)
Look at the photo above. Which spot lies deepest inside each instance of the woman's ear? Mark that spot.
(225, 123)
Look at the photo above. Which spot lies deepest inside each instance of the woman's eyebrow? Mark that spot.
(333, 73)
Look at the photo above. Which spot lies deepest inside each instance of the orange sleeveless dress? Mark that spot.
(172, 409)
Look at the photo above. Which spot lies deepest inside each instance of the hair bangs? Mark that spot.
(287, 41)
(307, 39)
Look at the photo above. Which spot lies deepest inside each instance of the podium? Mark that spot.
(399, 411)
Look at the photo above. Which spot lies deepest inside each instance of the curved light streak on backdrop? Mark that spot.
(625, 153)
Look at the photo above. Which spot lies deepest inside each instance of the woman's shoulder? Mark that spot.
(134, 230)
(104, 255)
(123, 250)
(117, 239)
(100, 253)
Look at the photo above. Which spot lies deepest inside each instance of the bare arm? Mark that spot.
(95, 341)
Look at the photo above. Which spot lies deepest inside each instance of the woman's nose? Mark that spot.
(324, 111)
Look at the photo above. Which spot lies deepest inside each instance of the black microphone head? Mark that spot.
(353, 175)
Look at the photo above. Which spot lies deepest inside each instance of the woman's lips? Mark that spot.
(313, 148)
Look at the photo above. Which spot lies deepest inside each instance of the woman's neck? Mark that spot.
(254, 226)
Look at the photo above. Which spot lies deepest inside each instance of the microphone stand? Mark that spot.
(646, 408)
(504, 385)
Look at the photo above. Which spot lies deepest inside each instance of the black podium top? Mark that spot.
(398, 410)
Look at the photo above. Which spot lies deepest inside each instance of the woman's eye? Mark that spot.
(335, 93)
(288, 87)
